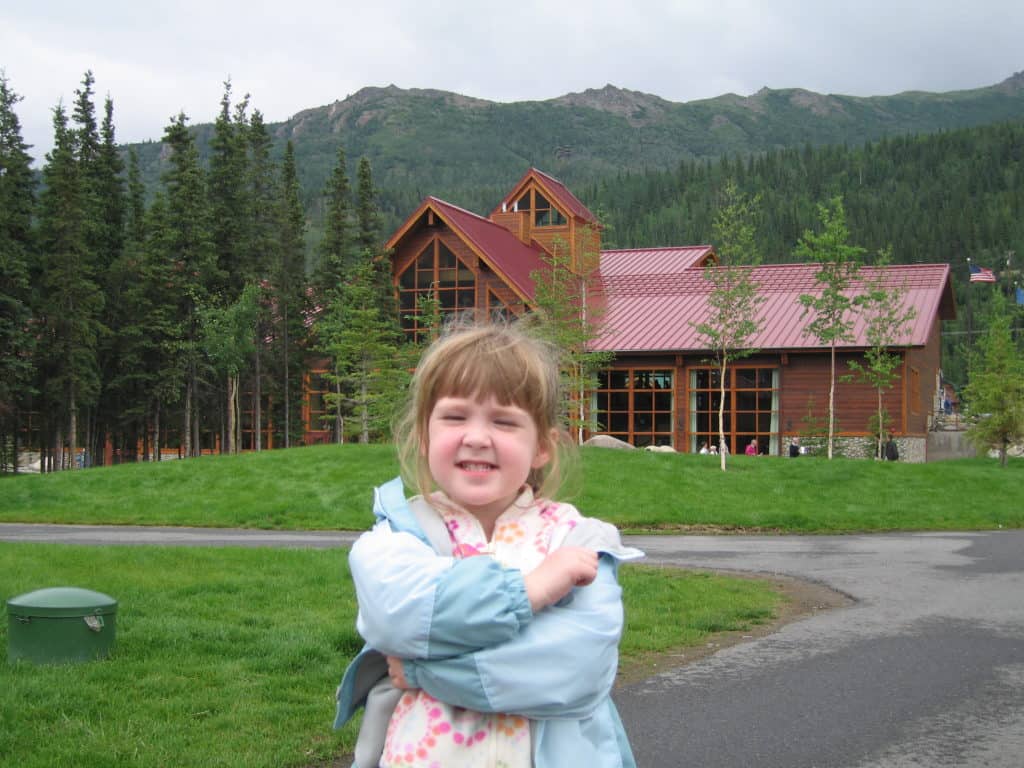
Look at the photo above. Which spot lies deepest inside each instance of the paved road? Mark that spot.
(924, 670)
(169, 536)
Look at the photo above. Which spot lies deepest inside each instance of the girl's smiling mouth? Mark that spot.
(476, 466)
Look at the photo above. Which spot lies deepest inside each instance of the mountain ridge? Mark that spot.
(465, 149)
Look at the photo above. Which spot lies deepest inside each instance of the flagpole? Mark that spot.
(970, 316)
(1009, 279)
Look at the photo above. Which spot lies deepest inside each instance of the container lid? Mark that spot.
(61, 601)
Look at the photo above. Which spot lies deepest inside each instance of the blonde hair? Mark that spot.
(481, 361)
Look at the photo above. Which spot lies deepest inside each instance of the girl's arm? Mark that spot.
(416, 604)
(560, 665)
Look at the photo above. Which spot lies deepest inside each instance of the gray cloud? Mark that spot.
(156, 59)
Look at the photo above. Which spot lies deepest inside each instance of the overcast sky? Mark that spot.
(158, 58)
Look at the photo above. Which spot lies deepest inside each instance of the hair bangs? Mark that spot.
(494, 367)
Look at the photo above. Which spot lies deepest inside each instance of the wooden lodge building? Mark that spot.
(661, 388)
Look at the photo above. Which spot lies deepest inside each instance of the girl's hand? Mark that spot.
(558, 573)
(396, 674)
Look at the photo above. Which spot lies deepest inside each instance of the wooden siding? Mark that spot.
(927, 360)
(804, 385)
(412, 246)
(515, 222)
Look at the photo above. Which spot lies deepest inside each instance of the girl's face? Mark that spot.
(481, 452)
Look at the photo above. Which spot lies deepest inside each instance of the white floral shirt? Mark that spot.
(427, 733)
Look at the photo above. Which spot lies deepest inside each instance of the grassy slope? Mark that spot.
(329, 487)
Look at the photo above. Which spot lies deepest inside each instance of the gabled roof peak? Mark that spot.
(446, 204)
(555, 189)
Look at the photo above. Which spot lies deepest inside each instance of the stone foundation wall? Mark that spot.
(949, 445)
(912, 449)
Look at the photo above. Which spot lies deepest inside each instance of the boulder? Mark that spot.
(607, 441)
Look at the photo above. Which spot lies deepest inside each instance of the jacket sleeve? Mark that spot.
(561, 665)
(416, 604)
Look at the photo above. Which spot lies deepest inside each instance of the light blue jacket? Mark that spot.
(469, 638)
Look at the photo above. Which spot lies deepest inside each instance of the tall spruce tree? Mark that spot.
(110, 185)
(262, 193)
(70, 298)
(190, 250)
(126, 386)
(368, 245)
(288, 293)
(832, 307)
(108, 248)
(87, 151)
(336, 248)
(229, 194)
(367, 209)
(17, 342)
(262, 235)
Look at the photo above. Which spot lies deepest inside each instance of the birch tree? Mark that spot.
(734, 299)
(831, 307)
(887, 319)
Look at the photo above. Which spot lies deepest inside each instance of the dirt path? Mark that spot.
(801, 599)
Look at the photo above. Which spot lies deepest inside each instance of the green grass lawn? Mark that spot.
(330, 487)
(230, 657)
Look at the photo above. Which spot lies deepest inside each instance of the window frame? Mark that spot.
(739, 429)
(459, 288)
(639, 409)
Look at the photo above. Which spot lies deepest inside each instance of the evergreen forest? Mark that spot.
(168, 296)
(182, 320)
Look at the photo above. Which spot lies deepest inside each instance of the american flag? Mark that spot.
(982, 275)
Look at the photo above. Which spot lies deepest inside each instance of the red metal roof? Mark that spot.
(503, 251)
(651, 298)
(650, 261)
(656, 312)
(556, 191)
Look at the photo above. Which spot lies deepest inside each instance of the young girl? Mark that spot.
(491, 614)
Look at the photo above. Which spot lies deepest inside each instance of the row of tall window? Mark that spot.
(638, 405)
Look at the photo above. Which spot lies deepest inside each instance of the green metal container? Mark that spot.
(60, 624)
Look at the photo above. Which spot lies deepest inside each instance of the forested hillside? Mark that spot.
(934, 198)
(467, 151)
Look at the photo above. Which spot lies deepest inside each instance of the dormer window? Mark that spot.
(544, 213)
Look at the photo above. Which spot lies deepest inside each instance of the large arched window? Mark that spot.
(438, 272)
